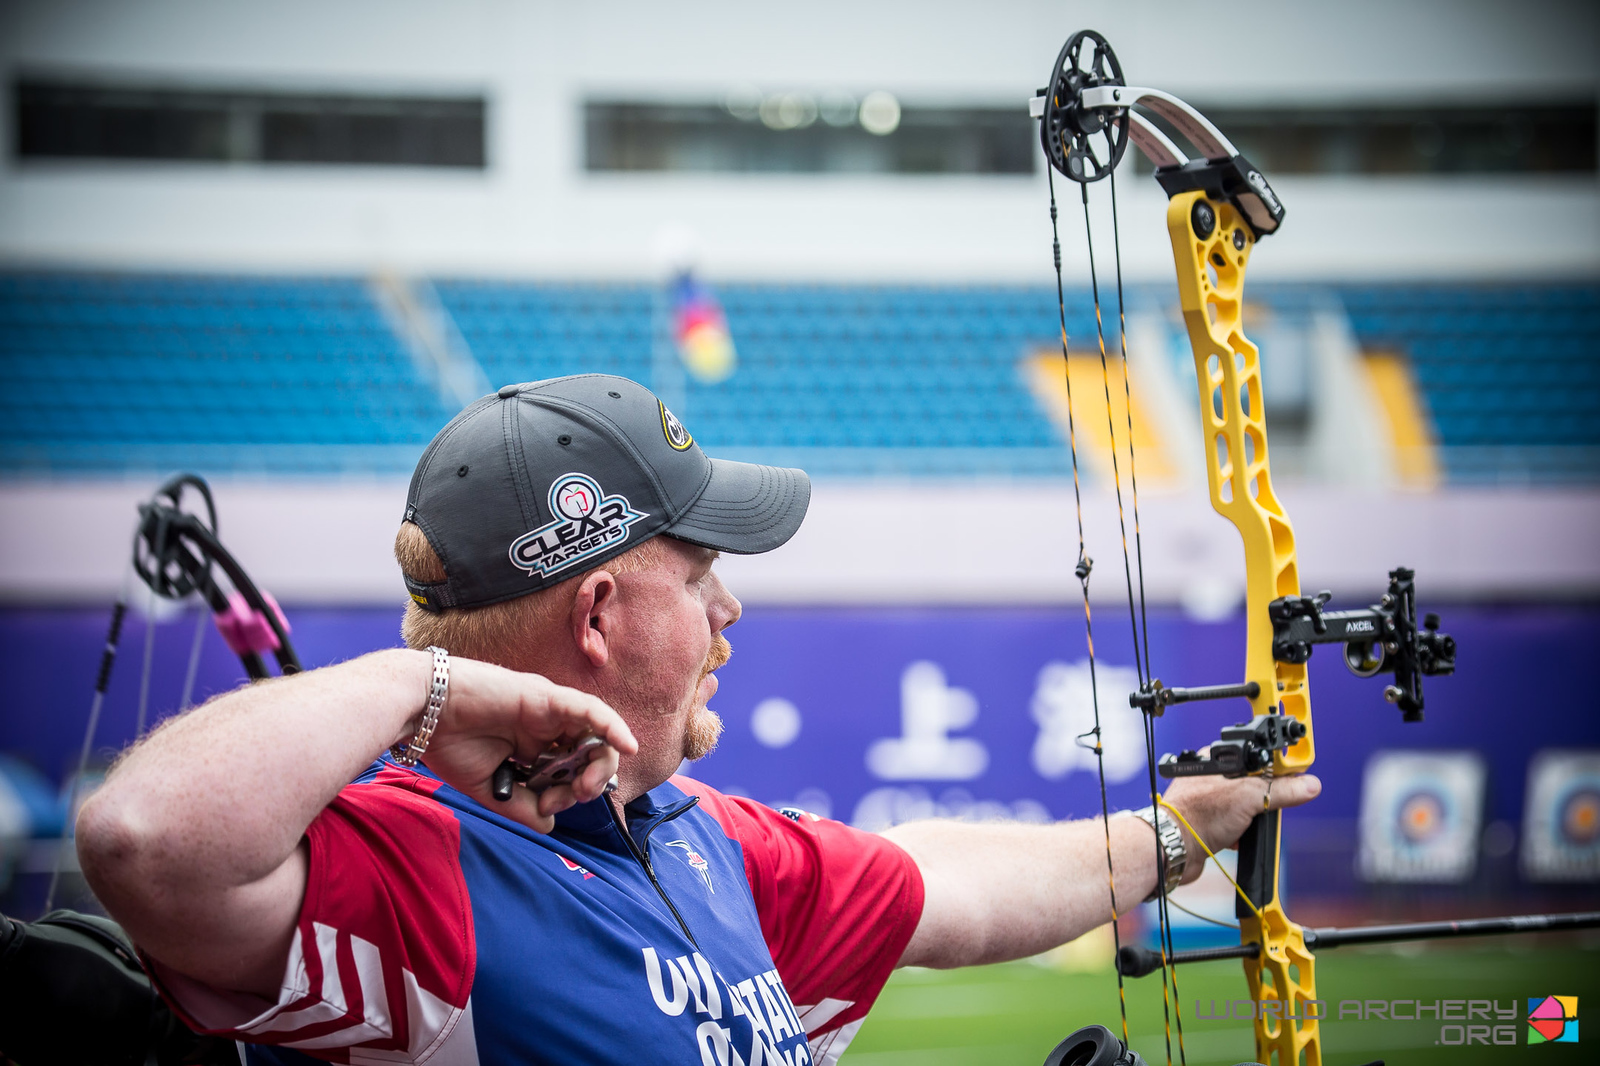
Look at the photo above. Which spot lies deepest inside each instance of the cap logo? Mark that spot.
(586, 523)
(677, 436)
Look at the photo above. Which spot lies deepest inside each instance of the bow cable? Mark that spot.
(1204, 917)
(1127, 392)
(1082, 570)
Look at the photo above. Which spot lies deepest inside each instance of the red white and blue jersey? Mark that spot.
(435, 930)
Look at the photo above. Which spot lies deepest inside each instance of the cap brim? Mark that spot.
(745, 508)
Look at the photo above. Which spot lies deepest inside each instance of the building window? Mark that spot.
(64, 120)
(798, 133)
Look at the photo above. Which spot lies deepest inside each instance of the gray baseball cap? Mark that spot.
(544, 480)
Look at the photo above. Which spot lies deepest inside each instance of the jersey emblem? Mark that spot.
(586, 522)
(574, 867)
(695, 860)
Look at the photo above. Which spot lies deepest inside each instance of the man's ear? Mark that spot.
(593, 617)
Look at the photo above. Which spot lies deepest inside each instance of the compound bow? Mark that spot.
(1219, 207)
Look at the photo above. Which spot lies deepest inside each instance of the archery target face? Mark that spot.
(1579, 816)
(1420, 816)
(1561, 817)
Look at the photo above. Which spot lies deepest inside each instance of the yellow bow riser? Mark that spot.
(1228, 368)
(1282, 983)
(1211, 247)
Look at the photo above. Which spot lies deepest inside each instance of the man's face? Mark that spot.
(666, 642)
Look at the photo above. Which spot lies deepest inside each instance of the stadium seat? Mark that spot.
(109, 372)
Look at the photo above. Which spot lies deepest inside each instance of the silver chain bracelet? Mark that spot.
(408, 753)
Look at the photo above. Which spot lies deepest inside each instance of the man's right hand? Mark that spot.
(195, 841)
(493, 714)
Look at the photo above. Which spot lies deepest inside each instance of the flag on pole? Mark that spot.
(701, 331)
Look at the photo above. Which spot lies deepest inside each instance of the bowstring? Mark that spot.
(203, 597)
(193, 668)
(1138, 546)
(204, 587)
(108, 657)
(149, 658)
(1082, 570)
(1141, 656)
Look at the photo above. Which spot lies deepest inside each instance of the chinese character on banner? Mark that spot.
(1420, 816)
(700, 330)
(1561, 818)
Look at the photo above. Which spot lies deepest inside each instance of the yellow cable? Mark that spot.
(1211, 854)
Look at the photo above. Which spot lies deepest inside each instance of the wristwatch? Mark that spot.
(1171, 840)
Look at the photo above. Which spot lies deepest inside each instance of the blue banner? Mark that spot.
(878, 714)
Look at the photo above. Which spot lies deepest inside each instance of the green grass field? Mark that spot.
(1016, 1012)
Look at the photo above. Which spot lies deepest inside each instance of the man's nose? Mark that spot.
(724, 608)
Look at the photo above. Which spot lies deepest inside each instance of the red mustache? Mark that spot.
(721, 652)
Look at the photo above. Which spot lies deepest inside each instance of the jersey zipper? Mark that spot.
(643, 858)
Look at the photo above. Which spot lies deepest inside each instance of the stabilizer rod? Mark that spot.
(1137, 962)
(1156, 697)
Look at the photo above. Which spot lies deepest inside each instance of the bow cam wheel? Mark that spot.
(1083, 143)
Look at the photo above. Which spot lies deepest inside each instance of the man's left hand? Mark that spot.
(1220, 809)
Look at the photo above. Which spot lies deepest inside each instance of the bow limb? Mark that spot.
(1211, 244)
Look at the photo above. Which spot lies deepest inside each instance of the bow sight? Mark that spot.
(1383, 635)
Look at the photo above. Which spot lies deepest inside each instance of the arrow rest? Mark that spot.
(1242, 750)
